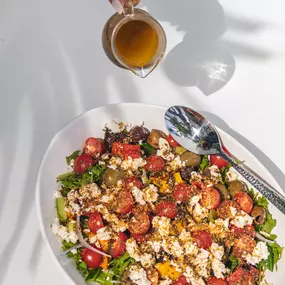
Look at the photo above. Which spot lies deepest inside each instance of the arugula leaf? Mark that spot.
(252, 194)
(147, 148)
(82, 268)
(269, 224)
(234, 263)
(93, 274)
(224, 172)
(262, 201)
(275, 252)
(71, 180)
(67, 245)
(72, 156)
(204, 163)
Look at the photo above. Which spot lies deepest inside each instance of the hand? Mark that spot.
(119, 4)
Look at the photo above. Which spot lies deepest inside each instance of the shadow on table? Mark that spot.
(203, 59)
(263, 158)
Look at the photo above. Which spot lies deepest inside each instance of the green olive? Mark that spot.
(225, 195)
(212, 216)
(179, 150)
(237, 186)
(111, 176)
(190, 158)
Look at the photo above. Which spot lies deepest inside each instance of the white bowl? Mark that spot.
(91, 123)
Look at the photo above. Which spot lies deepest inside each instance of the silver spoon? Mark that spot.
(197, 134)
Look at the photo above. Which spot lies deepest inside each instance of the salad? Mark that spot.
(138, 208)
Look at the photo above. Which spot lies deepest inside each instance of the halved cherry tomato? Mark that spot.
(130, 182)
(93, 147)
(243, 245)
(95, 222)
(181, 192)
(124, 202)
(126, 150)
(247, 230)
(141, 238)
(154, 163)
(181, 281)
(119, 246)
(244, 201)
(224, 210)
(203, 239)
(172, 141)
(218, 161)
(82, 163)
(216, 281)
(241, 276)
(211, 198)
(140, 222)
(167, 209)
(91, 258)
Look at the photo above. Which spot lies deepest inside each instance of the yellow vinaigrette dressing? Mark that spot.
(136, 43)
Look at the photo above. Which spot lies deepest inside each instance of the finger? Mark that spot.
(118, 5)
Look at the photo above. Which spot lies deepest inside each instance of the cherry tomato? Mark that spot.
(244, 201)
(141, 238)
(124, 202)
(140, 222)
(82, 163)
(224, 210)
(91, 258)
(203, 239)
(243, 245)
(181, 192)
(247, 230)
(126, 150)
(95, 222)
(218, 161)
(181, 281)
(167, 209)
(216, 281)
(93, 147)
(119, 246)
(130, 182)
(211, 198)
(241, 276)
(172, 141)
(154, 163)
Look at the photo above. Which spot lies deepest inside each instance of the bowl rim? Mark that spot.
(72, 121)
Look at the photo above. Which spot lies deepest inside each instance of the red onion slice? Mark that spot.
(262, 238)
(82, 240)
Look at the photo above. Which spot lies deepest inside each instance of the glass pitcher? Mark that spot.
(134, 40)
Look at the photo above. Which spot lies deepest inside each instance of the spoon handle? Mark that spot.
(274, 196)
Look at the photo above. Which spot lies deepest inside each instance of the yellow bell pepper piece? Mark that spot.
(177, 177)
(167, 270)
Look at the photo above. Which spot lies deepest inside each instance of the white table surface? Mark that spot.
(52, 68)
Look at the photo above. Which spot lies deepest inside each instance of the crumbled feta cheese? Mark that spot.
(172, 246)
(201, 263)
(73, 251)
(105, 156)
(200, 212)
(138, 195)
(107, 198)
(176, 163)
(156, 245)
(219, 268)
(115, 162)
(195, 176)
(176, 265)
(164, 150)
(133, 164)
(192, 278)
(90, 191)
(102, 162)
(233, 211)
(62, 232)
(215, 172)
(138, 275)
(222, 223)
(259, 253)
(162, 224)
(191, 248)
(195, 199)
(103, 234)
(242, 219)
(146, 260)
(150, 193)
(217, 250)
(57, 194)
(231, 175)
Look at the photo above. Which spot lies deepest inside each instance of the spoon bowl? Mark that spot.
(197, 134)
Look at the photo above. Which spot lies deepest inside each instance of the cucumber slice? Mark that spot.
(60, 205)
